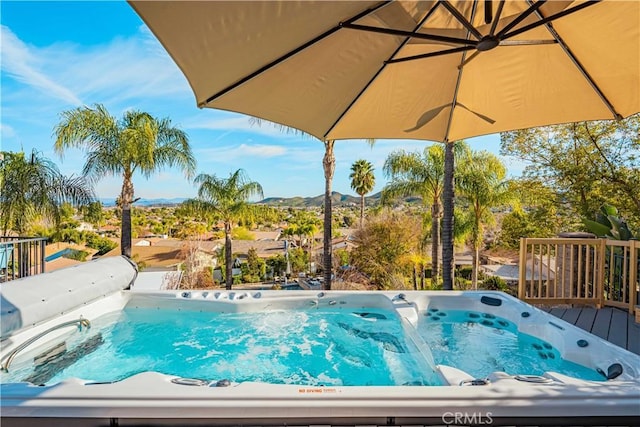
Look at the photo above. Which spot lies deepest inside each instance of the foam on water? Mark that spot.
(481, 343)
(306, 347)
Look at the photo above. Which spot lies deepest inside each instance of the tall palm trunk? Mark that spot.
(311, 240)
(329, 166)
(126, 198)
(447, 218)
(415, 278)
(475, 257)
(436, 212)
(361, 210)
(228, 256)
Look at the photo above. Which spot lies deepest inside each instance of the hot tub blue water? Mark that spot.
(319, 347)
(482, 343)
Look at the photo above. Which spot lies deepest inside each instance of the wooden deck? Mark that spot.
(614, 325)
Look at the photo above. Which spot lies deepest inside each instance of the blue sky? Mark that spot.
(57, 56)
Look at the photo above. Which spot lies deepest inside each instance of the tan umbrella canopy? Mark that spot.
(432, 70)
(394, 69)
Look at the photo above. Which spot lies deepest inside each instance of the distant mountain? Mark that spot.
(147, 202)
(337, 199)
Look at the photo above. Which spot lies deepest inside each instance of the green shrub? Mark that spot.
(77, 255)
(242, 233)
(495, 283)
(465, 272)
(101, 244)
(462, 284)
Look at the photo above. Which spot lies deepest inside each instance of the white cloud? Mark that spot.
(224, 123)
(6, 131)
(239, 122)
(19, 61)
(260, 150)
(123, 71)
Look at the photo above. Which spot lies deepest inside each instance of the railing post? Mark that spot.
(522, 269)
(633, 275)
(602, 253)
(43, 245)
(19, 257)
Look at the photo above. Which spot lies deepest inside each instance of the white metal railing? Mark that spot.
(21, 257)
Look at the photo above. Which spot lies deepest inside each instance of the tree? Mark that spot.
(138, 142)
(586, 163)
(482, 185)
(448, 203)
(384, 245)
(537, 212)
(421, 174)
(32, 187)
(227, 199)
(362, 181)
(304, 225)
(255, 268)
(277, 264)
(93, 213)
(329, 166)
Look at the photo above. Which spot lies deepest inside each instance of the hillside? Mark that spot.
(338, 200)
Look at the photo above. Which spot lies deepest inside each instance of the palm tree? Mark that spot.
(329, 167)
(227, 199)
(362, 181)
(481, 183)
(32, 187)
(138, 142)
(303, 224)
(422, 174)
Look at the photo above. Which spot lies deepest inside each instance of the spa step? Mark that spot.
(44, 372)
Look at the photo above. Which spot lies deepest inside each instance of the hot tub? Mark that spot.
(118, 356)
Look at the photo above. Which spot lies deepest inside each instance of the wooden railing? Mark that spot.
(600, 272)
(21, 257)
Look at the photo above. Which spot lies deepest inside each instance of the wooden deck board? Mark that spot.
(633, 335)
(586, 319)
(612, 324)
(602, 322)
(571, 315)
(618, 328)
(558, 312)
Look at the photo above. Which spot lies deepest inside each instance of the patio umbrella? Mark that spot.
(431, 70)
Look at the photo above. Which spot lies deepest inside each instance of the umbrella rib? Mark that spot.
(544, 21)
(520, 18)
(292, 53)
(469, 59)
(431, 54)
(456, 14)
(488, 12)
(526, 42)
(497, 18)
(413, 34)
(455, 92)
(578, 65)
(384, 64)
